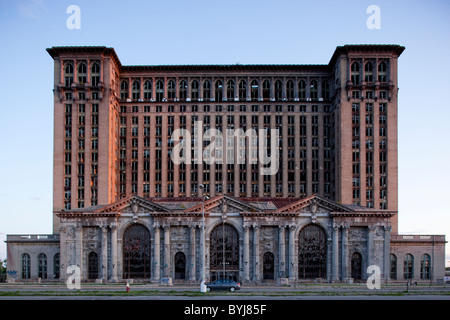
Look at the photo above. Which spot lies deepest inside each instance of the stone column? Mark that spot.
(79, 250)
(256, 273)
(192, 253)
(335, 256)
(370, 247)
(166, 251)
(281, 252)
(63, 262)
(292, 272)
(246, 253)
(345, 260)
(104, 253)
(157, 248)
(114, 253)
(387, 253)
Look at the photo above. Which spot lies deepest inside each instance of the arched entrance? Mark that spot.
(224, 253)
(93, 265)
(136, 252)
(356, 266)
(268, 266)
(312, 252)
(180, 266)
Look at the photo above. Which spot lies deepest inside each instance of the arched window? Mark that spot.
(230, 90)
(254, 90)
(93, 265)
(82, 75)
(312, 252)
(243, 90)
(136, 252)
(302, 89)
(266, 90)
(425, 267)
(26, 266)
(355, 73)
(356, 266)
(278, 90)
(95, 74)
(183, 90)
(393, 267)
(313, 89)
(325, 89)
(159, 91)
(136, 90)
(56, 265)
(224, 252)
(206, 90)
(147, 90)
(408, 267)
(124, 90)
(68, 75)
(194, 90)
(368, 72)
(42, 266)
(171, 94)
(382, 71)
(290, 90)
(219, 91)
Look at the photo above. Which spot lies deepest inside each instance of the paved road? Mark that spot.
(182, 292)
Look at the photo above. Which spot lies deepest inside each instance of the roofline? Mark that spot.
(55, 52)
(345, 49)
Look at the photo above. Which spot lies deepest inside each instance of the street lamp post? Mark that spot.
(202, 284)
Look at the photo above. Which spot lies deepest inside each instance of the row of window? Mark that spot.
(42, 266)
(228, 108)
(82, 74)
(219, 90)
(369, 72)
(408, 267)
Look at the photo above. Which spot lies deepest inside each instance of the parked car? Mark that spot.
(223, 284)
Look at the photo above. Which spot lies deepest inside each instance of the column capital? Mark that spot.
(387, 228)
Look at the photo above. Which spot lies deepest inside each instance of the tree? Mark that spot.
(2, 270)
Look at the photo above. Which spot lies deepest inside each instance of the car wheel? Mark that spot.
(232, 289)
(208, 289)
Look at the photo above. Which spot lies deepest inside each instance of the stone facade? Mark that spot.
(123, 210)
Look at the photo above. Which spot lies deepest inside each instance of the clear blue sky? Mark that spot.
(222, 32)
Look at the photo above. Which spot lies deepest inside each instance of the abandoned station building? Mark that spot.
(124, 209)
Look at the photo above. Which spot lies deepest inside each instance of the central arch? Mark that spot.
(136, 252)
(224, 253)
(312, 252)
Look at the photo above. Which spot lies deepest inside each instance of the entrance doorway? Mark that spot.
(180, 266)
(356, 266)
(268, 266)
